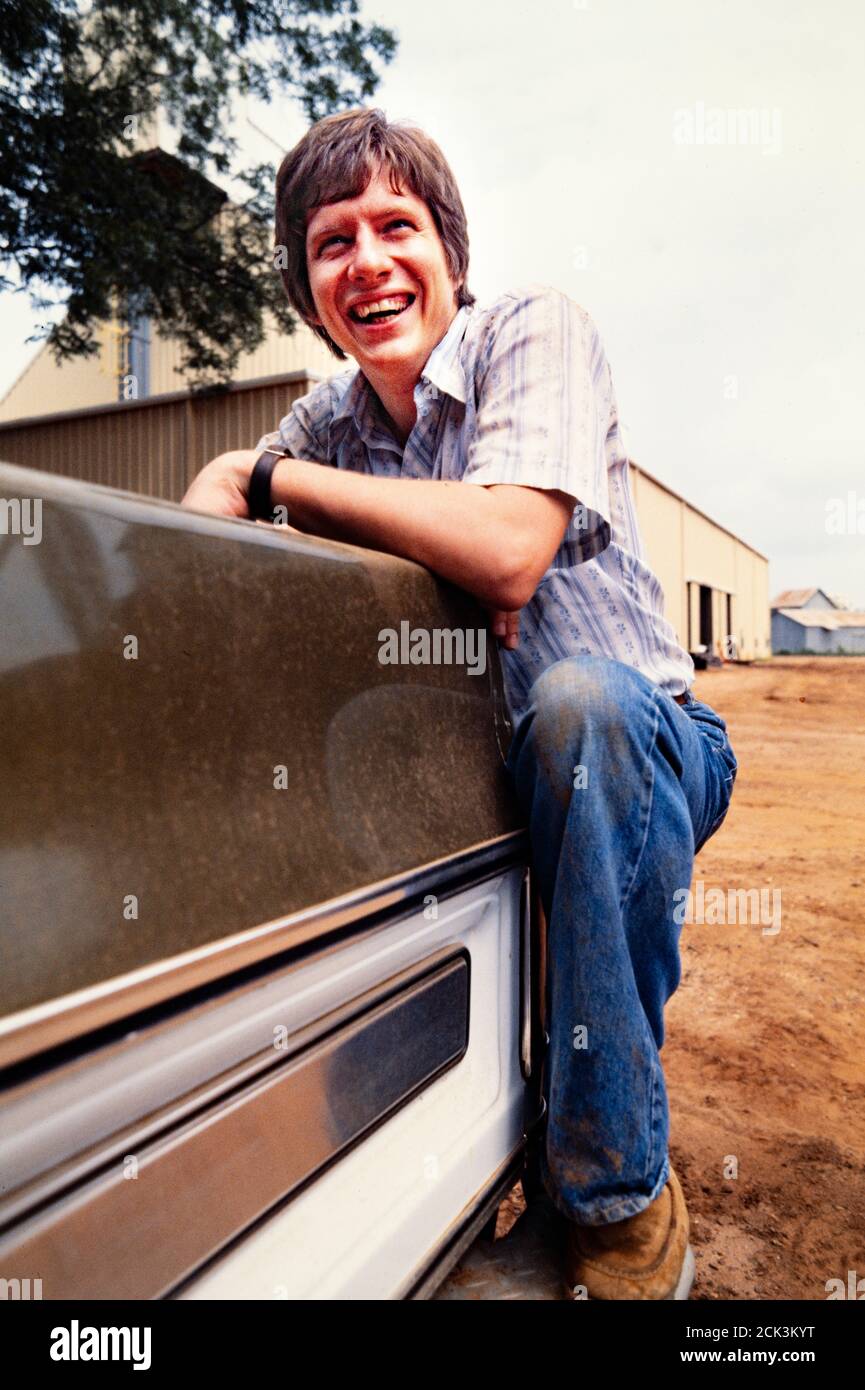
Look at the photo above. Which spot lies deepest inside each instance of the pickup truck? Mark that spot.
(271, 1016)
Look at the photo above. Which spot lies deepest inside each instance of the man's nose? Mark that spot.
(370, 256)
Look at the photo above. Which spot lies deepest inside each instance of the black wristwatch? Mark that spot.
(258, 498)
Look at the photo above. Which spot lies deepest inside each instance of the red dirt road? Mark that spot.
(765, 1046)
(765, 1050)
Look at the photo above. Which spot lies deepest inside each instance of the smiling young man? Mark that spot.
(496, 542)
(621, 772)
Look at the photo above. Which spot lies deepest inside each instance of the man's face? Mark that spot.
(377, 246)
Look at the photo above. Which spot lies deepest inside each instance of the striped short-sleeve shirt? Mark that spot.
(520, 392)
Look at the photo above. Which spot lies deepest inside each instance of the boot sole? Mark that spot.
(681, 1292)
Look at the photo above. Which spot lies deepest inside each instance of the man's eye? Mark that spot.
(395, 222)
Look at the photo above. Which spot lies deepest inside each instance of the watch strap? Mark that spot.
(258, 498)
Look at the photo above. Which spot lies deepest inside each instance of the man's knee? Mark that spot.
(588, 725)
(579, 695)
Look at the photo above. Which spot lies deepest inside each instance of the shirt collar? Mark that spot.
(443, 370)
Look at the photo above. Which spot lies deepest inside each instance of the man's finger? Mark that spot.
(498, 621)
(512, 630)
(506, 626)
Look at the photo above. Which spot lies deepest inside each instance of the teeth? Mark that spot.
(397, 302)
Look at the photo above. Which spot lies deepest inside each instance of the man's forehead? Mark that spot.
(377, 193)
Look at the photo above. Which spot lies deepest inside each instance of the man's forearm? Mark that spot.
(465, 533)
(494, 541)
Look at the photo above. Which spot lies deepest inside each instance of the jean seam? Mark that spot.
(728, 780)
(623, 903)
(656, 1121)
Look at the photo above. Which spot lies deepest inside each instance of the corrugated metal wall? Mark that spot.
(154, 446)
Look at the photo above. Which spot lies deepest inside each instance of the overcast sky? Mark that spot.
(591, 144)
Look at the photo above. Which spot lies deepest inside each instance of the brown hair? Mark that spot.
(336, 159)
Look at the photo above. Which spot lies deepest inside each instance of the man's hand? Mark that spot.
(222, 488)
(222, 485)
(506, 626)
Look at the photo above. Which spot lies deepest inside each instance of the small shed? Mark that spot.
(812, 620)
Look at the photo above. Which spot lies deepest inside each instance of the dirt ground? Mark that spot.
(765, 1047)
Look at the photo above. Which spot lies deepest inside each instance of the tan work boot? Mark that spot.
(645, 1256)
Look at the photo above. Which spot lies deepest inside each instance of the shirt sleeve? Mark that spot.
(303, 432)
(543, 399)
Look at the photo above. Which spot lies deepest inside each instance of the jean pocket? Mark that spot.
(722, 765)
(721, 768)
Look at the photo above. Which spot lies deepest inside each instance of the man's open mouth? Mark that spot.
(379, 310)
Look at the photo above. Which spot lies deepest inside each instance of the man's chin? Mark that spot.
(399, 348)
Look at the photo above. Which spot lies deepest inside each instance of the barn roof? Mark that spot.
(794, 598)
(829, 618)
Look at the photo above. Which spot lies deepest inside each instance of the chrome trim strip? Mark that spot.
(31, 1031)
(114, 1238)
(526, 975)
(53, 1140)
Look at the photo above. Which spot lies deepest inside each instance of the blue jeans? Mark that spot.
(620, 786)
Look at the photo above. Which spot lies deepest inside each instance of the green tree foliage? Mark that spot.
(92, 222)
